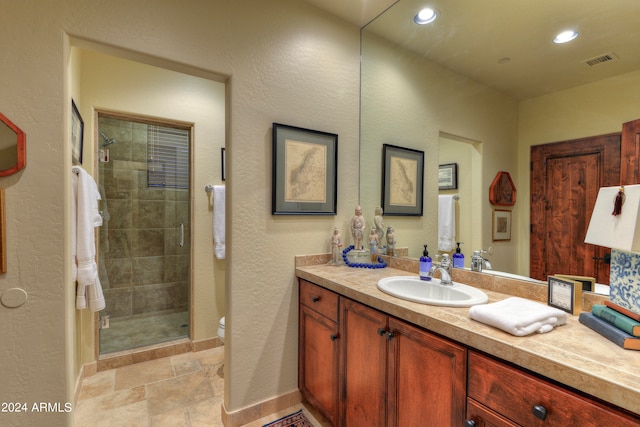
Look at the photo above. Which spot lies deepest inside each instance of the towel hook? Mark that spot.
(208, 188)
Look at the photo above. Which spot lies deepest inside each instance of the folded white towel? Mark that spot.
(519, 316)
(85, 218)
(446, 223)
(219, 220)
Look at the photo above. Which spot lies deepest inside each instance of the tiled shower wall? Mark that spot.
(142, 267)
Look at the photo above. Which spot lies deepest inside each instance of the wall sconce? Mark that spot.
(621, 233)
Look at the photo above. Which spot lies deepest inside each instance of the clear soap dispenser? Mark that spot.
(458, 258)
(425, 264)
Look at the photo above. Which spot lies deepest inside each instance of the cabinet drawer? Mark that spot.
(480, 416)
(524, 398)
(319, 299)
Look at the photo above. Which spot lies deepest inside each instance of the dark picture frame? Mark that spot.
(448, 176)
(305, 171)
(223, 162)
(565, 294)
(77, 134)
(402, 180)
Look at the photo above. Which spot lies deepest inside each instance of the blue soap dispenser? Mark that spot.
(458, 258)
(425, 264)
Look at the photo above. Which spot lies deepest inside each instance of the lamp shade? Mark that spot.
(616, 231)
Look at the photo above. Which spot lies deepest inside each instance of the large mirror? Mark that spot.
(12, 148)
(478, 87)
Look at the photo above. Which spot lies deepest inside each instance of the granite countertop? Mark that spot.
(571, 354)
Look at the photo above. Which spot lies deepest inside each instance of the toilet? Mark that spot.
(221, 329)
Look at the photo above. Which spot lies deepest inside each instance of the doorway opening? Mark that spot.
(144, 243)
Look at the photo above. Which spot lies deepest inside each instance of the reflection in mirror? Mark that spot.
(3, 244)
(12, 147)
(459, 79)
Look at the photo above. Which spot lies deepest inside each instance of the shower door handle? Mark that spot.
(181, 235)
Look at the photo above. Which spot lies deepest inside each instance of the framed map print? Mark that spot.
(304, 171)
(402, 180)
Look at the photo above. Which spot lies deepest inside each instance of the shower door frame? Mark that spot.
(148, 351)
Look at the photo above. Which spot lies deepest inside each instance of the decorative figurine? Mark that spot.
(391, 241)
(336, 244)
(373, 245)
(379, 224)
(357, 228)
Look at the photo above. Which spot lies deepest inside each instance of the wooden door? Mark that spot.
(318, 362)
(427, 378)
(565, 179)
(630, 168)
(364, 355)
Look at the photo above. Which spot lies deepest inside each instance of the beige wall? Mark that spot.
(284, 61)
(594, 109)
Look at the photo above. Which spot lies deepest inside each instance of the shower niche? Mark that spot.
(144, 242)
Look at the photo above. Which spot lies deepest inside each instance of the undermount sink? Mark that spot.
(431, 292)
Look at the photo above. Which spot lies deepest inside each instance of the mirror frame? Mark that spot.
(21, 144)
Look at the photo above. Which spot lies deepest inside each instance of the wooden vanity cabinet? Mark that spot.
(319, 348)
(396, 374)
(502, 395)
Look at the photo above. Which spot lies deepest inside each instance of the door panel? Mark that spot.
(565, 179)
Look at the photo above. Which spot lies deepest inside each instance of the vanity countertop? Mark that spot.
(571, 354)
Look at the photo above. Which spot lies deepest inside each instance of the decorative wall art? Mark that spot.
(77, 134)
(224, 163)
(402, 180)
(305, 173)
(448, 176)
(501, 225)
(502, 191)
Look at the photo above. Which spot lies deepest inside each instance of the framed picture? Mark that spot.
(588, 283)
(501, 225)
(77, 134)
(224, 164)
(565, 294)
(448, 176)
(402, 180)
(305, 171)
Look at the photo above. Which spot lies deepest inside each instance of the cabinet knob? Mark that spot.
(469, 423)
(540, 412)
(381, 331)
(334, 337)
(315, 299)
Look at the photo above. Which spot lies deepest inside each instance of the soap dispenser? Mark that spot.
(458, 258)
(425, 264)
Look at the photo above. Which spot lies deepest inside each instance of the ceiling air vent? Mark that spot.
(607, 57)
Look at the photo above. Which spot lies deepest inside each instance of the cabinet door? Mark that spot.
(364, 350)
(318, 364)
(427, 378)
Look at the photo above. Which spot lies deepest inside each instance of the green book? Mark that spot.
(617, 319)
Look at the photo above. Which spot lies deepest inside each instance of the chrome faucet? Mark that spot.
(478, 262)
(445, 270)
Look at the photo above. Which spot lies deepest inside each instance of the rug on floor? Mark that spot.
(297, 419)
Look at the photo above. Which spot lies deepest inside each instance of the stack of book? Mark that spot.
(615, 323)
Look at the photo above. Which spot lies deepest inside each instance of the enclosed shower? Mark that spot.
(144, 243)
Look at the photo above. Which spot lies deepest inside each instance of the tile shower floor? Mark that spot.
(182, 390)
(128, 332)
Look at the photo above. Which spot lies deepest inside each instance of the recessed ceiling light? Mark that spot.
(565, 36)
(425, 16)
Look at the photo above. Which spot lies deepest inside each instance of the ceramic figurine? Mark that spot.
(336, 244)
(379, 224)
(391, 241)
(357, 228)
(373, 245)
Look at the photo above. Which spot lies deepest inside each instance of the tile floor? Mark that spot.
(182, 390)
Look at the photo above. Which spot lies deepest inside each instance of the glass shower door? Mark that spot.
(143, 254)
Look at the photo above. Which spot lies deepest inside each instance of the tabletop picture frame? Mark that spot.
(305, 171)
(565, 294)
(402, 180)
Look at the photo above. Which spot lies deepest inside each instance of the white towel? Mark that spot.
(85, 218)
(519, 316)
(446, 223)
(219, 220)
